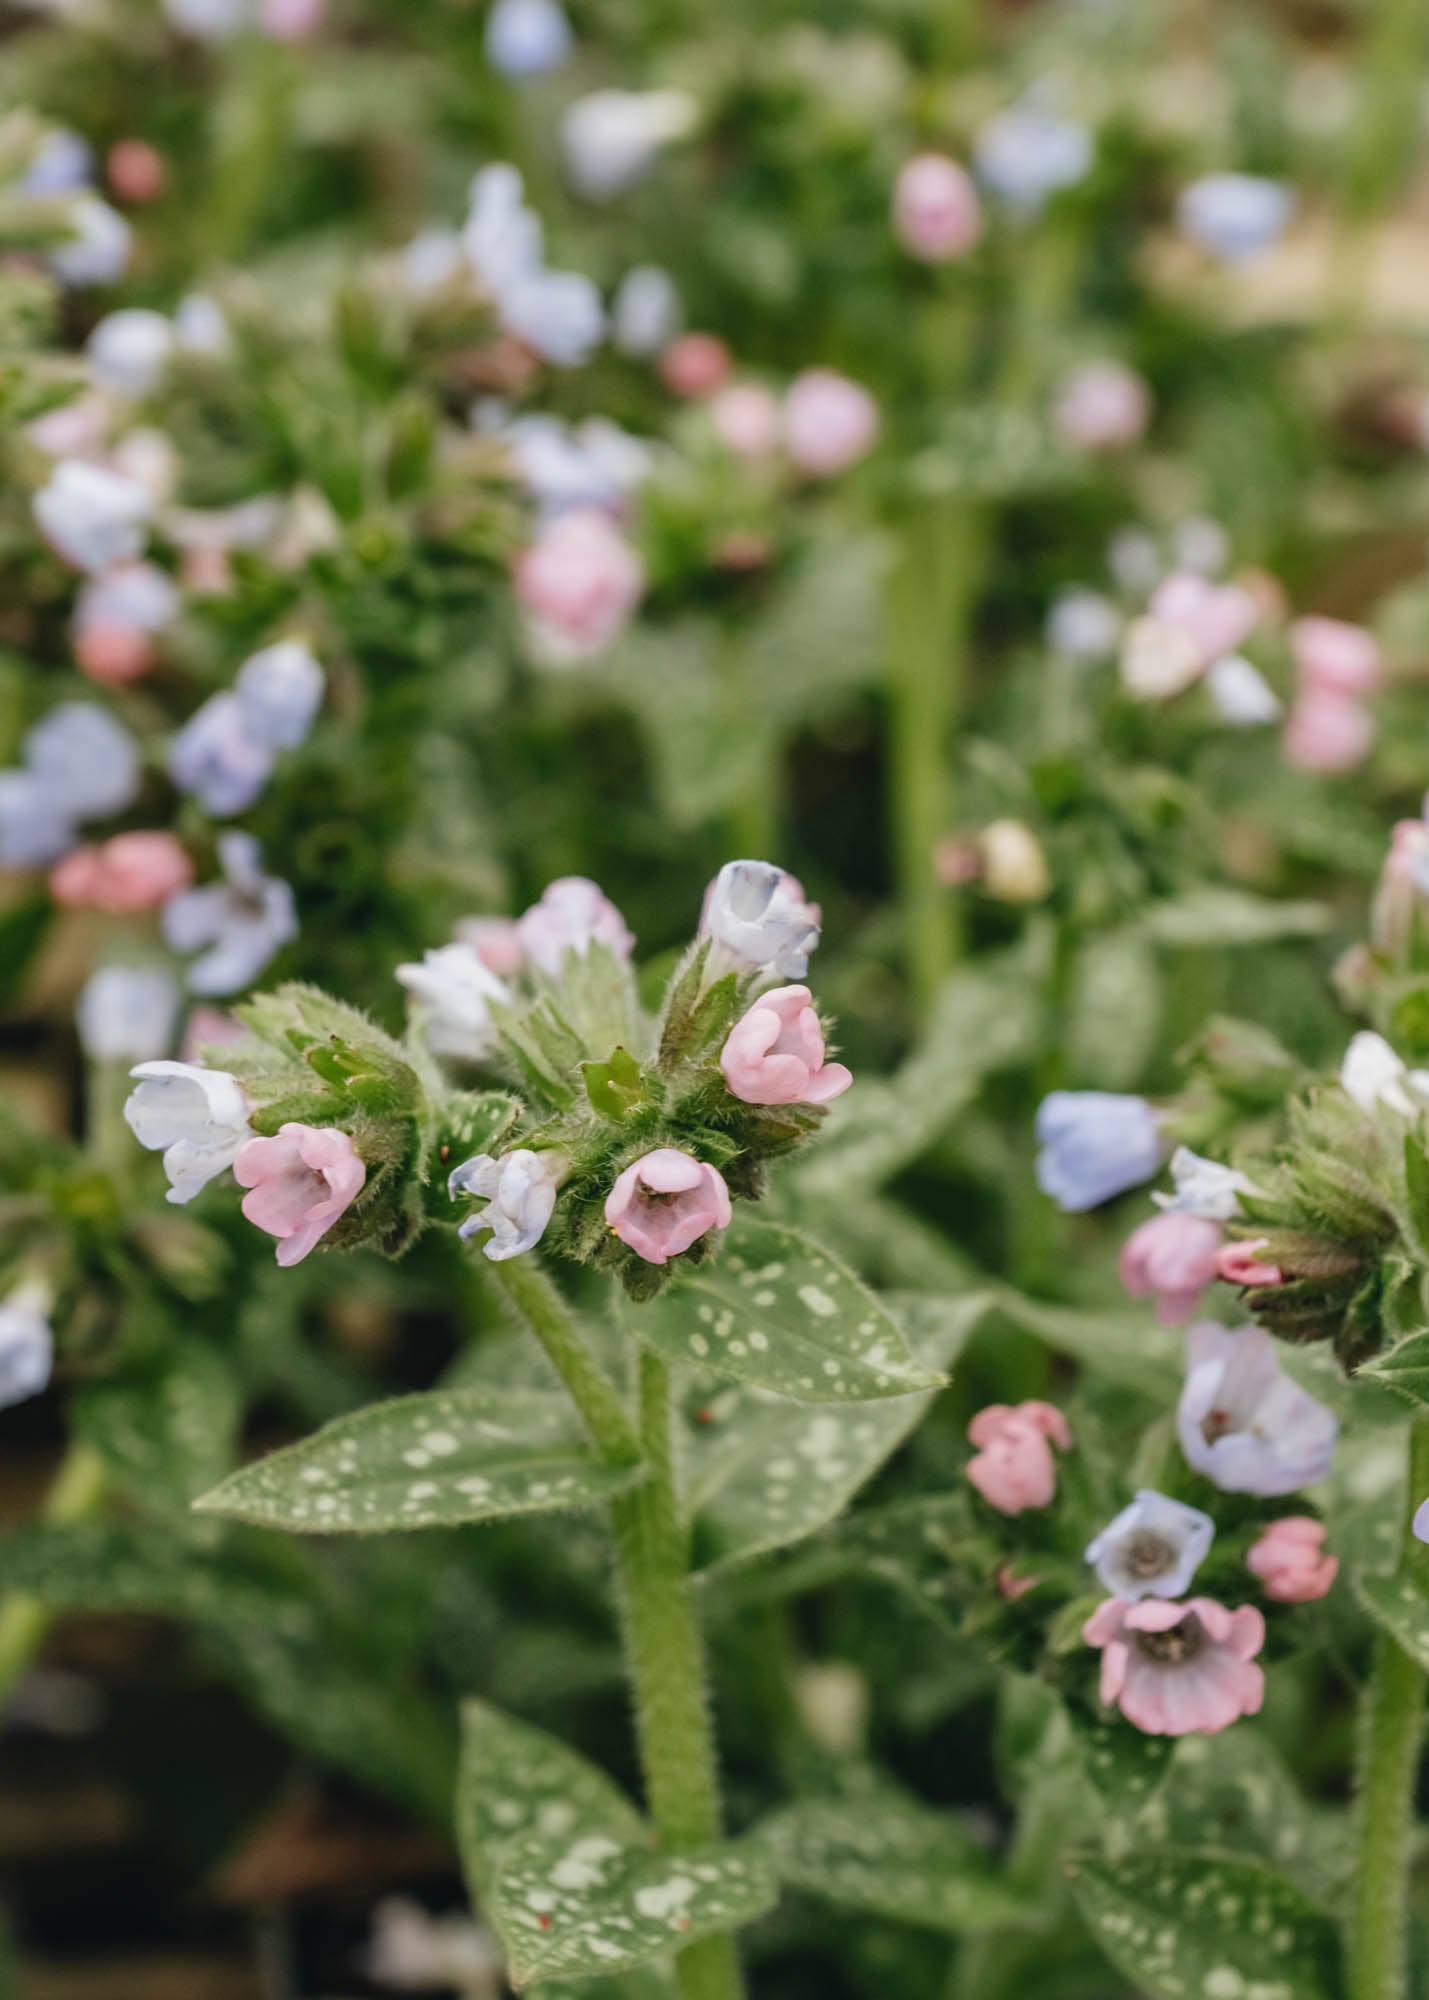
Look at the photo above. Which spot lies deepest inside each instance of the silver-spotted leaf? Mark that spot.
(1399, 1607)
(781, 1312)
(439, 1460)
(1185, 1921)
(165, 1432)
(891, 1854)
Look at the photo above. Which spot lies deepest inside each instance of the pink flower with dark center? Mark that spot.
(1290, 1560)
(1179, 1669)
(579, 581)
(1238, 1264)
(1327, 732)
(696, 364)
(936, 211)
(665, 1202)
(133, 871)
(829, 422)
(775, 1054)
(1014, 1468)
(1173, 1256)
(300, 1182)
(1334, 657)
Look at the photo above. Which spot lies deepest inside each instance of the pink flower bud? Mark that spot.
(1333, 657)
(1238, 1264)
(299, 1183)
(665, 1202)
(1290, 1561)
(135, 170)
(496, 942)
(695, 365)
(1215, 616)
(746, 418)
(113, 654)
(1103, 406)
(1173, 1256)
(775, 1055)
(1012, 1586)
(1327, 732)
(829, 422)
(131, 872)
(936, 211)
(291, 20)
(579, 581)
(1014, 1468)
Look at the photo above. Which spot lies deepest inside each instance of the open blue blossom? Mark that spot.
(27, 1347)
(1243, 1422)
(87, 762)
(237, 925)
(1095, 1144)
(1030, 152)
(217, 757)
(527, 37)
(1152, 1549)
(1235, 216)
(279, 690)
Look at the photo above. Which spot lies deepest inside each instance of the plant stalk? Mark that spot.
(662, 1636)
(77, 1492)
(1392, 1728)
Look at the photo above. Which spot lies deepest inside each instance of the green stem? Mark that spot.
(1392, 1728)
(755, 815)
(931, 590)
(662, 1636)
(76, 1494)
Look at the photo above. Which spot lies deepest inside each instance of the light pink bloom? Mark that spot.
(496, 942)
(1174, 1256)
(936, 212)
(829, 422)
(299, 1183)
(573, 914)
(1333, 657)
(1290, 1560)
(1403, 888)
(135, 170)
(133, 871)
(746, 418)
(1327, 732)
(291, 20)
(1179, 1669)
(209, 1027)
(665, 1202)
(579, 581)
(1215, 616)
(695, 365)
(1238, 1264)
(775, 1054)
(113, 654)
(1014, 1468)
(1103, 406)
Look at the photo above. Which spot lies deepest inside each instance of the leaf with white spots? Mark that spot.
(166, 1431)
(440, 1460)
(779, 1311)
(889, 1853)
(586, 1904)
(1185, 1922)
(1399, 1606)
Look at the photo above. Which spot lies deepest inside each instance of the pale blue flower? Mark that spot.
(34, 829)
(1152, 1549)
(519, 1190)
(216, 757)
(1095, 1144)
(126, 1013)
(279, 690)
(87, 762)
(1243, 1422)
(1235, 216)
(97, 247)
(236, 925)
(27, 1348)
(62, 162)
(93, 517)
(527, 37)
(646, 311)
(1029, 152)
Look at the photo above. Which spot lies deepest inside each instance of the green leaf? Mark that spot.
(1399, 1607)
(165, 1433)
(473, 1122)
(888, 1853)
(22, 931)
(1123, 1765)
(578, 1904)
(782, 1313)
(1114, 1010)
(1186, 1921)
(439, 1460)
(1126, 1345)
(615, 1088)
(1212, 916)
(1235, 1792)
(1404, 1368)
(135, 1566)
(1416, 1175)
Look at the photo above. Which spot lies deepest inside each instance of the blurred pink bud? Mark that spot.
(207, 572)
(291, 20)
(1103, 406)
(209, 1027)
(741, 550)
(1327, 732)
(936, 211)
(300, 1182)
(1173, 1256)
(665, 1202)
(113, 654)
(1333, 657)
(1238, 1264)
(135, 170)
(775, 1054)
(131, 872)
(1012, 1586)
(496, 942)
(1290, 1561)
(696, 364)
(579, 581)
(1014, 1468)
(829, 422)
(1216, 616)
(746, 418)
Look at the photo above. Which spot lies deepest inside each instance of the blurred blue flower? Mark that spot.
(1095, 1144)
(1235, 216)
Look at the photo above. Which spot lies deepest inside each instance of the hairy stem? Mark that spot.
(1392, 1727)
(76, 1493)
(662, 1635)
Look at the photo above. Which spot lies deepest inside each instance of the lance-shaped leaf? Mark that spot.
(1404, 1368)
(1222, 917)
(1185, 1921)
(1399, 1607)
(779, 1311)
(889, 1853)
(440, 1460)
(583, 1903)
(167, 1431)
